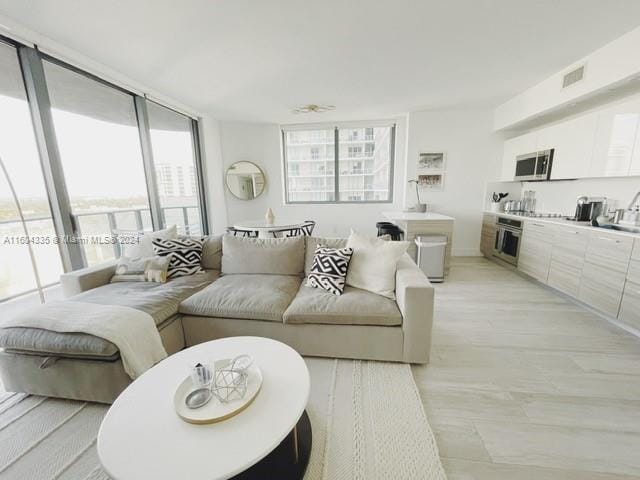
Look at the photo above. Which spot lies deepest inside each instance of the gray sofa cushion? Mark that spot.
(212, 252)
(46, 342)
(160, 300)
(278, 256)
(353, 307)
(255, 297)
(313, 242)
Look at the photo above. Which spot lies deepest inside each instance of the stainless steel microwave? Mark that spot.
(535, 166)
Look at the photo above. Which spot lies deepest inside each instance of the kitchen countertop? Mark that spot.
(567, 223)
(415, 216)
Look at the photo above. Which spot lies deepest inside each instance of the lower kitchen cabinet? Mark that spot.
(535, 250)
(599, 268)
(567, 259)
(564, 277)
(609, 250)
(630, 306)
(602, 288)
(488, 235)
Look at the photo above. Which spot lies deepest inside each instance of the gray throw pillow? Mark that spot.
(277, 256)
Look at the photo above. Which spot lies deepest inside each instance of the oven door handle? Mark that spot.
(499, 240)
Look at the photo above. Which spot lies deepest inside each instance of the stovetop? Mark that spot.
(537, 215)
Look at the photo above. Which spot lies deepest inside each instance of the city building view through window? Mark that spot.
(364, 164)
(96, 130)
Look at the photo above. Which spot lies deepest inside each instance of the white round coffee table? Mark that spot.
(142, 437)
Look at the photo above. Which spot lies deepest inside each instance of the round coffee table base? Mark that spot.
(285, 462)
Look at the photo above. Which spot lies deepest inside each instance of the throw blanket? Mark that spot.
(132, 331)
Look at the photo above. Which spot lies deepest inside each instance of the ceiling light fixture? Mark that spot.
(313, 108)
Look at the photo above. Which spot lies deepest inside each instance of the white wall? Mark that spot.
(465, 135)
(472, 149)
(260, 144)
(213, 167)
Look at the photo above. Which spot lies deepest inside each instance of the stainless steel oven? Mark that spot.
(507, 242)
(534, 166)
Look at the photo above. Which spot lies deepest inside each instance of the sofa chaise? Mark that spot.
(248, 287)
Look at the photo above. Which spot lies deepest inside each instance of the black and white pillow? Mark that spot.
(329, 269)
(185, 255)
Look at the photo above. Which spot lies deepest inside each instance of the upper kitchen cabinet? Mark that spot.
(572, 142)
(615, 139)
(512, 148)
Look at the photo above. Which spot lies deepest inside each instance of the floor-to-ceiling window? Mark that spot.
(22, 270)
(172, 144)
(98, 139)
(88, 161)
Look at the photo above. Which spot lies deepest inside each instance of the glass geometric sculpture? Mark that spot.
(230, 382)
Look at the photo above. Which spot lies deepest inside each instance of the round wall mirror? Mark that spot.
(245, 180)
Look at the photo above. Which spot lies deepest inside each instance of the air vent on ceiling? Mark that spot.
(573, 76)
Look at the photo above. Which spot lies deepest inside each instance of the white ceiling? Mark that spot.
(254, 60)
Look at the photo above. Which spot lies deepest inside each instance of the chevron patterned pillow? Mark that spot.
(185, 255)
(329, 269)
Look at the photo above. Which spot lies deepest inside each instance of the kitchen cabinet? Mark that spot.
(599, 268)
(488, 235)
(512, 148)
(567, 259)
(609, 251)
(604, 273)
(603, 143)
(615, 140)
(630, 305)
(572, 142)
(601, 288)
(535, 250)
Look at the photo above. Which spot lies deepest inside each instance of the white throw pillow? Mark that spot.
(374, 263)
(144, 247)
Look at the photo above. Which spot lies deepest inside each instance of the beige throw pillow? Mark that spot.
(144, 269)
(144, 247)
(374, 263)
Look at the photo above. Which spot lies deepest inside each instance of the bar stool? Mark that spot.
(395, 232)
(381, 225)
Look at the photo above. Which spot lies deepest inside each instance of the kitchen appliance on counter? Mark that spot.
(513, 206)
(590, 208)
(534, 167)
(507, 242)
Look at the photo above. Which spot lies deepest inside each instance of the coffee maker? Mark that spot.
(590, 208)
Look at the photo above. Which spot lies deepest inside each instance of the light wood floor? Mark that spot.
(523, 384)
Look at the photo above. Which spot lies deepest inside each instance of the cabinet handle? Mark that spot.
(538, 225)
(609, 239)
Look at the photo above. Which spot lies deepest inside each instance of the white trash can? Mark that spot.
(431, 252)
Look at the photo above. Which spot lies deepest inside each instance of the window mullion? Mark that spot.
(72, 254)
(157, 219)
(197, 157)
(336, 169)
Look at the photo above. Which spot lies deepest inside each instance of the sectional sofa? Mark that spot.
(248, 287)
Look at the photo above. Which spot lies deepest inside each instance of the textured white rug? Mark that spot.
(367, 421)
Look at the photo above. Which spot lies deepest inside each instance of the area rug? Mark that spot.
(367, 419)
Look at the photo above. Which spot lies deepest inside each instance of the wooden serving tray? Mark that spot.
(216, 411)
